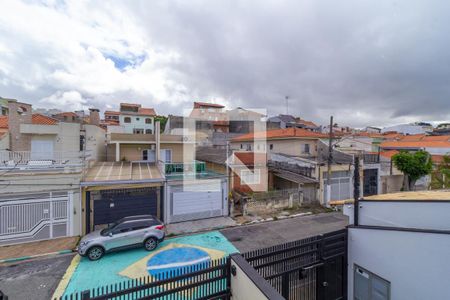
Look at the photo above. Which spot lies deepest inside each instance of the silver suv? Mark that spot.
(129, 232)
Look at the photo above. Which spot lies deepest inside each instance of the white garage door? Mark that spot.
(197, 202)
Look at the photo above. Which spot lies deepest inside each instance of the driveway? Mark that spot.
(251, 237)
(36, 279)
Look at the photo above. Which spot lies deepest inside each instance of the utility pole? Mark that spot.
(287, 104)
(330, 160)
(356, 192)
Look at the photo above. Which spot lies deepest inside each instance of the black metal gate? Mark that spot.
(370, 182)
(314, 268)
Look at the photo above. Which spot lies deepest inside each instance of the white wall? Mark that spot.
(242, 287)
(420, 214)
(416, 264)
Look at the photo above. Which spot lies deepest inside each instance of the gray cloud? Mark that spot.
(365, 62)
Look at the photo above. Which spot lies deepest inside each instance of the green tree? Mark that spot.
(414, 165)
(441, 177)
(162, 122)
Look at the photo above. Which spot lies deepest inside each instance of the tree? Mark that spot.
(414, 165)
(441, 177)
(162, 122)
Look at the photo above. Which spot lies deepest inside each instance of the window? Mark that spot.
(137, 119)
(250, 176)
(138, 131)
(127, 120)
(271, 147)
(368, 286)
(242, 146)
(148, 131)
(148, 121)
(165, 155)
(306, 148)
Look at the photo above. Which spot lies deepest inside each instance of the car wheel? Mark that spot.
(95, 253)
(150, 244)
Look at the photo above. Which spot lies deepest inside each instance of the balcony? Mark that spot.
(371, 158)
(194, 167)
(28, 160)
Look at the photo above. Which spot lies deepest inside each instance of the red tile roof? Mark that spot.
(306, 123)
(250, 158)
(39, 119)
(4, 122)
(112, 113)
(130, 104)
(203, 104)
(281, 134)
(415, 144)
(146, 111)
(389, 153)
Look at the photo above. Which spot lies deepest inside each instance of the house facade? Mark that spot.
(42, 169)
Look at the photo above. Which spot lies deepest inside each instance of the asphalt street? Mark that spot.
(35, 279)
(261, 235)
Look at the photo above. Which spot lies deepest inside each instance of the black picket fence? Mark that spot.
(208, 280)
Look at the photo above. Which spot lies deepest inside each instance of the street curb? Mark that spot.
(16, 259)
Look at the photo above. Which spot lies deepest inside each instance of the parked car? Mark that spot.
(130, 232)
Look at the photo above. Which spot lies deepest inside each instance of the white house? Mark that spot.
(398, 246)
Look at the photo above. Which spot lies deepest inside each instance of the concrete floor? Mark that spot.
(34, 279)
(252, 237)
(199, 225)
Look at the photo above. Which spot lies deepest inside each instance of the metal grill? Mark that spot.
(312, 268)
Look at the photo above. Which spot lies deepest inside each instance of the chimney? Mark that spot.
(94, 116)
(18, 113)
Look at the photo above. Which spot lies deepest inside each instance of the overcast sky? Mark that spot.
(365, 62)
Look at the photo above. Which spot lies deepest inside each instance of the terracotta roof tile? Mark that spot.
(67, 114)
(250, 158)
(415, 144)
(3, 121)
(146, 111)
(111, 112)
(280, 134)
(389, 153)
(39, 119)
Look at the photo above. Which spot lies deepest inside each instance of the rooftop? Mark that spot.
(205, 104)
(112, 172)
(437, 195)
(281, 134)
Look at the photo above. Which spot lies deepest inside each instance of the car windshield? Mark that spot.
(107, 230)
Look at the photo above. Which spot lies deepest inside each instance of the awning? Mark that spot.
(297, 178)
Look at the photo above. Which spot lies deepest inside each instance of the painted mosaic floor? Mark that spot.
(131, 264)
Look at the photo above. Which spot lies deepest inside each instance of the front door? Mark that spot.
(148, 155)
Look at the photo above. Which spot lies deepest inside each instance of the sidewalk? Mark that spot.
(38, 248)
(189, 227)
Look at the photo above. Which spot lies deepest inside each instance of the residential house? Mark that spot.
(412, 128)
(41, 173)
(211, 113)
(130, 119)
(298, 157)
(289, 121)
(155, 174)
(392, 239)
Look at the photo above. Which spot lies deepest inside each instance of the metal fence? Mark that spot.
(208, 280)
(308, 269)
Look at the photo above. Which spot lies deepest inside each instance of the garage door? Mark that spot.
(35, 217)
(112, 205)
(341, 187)
(197, 201)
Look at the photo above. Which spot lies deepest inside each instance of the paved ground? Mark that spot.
(36, 279)
(36, 248)
(200, 225)
(137, 263)
(251, 237)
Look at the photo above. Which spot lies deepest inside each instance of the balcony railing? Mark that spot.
(184, 168)
(39, 160)
(371, 158)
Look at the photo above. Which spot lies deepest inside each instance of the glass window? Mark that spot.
(148, 121)
(368, 286)
(137, 119)
(306, 148)
(271, 146)
(148, 131)
(127, 120)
